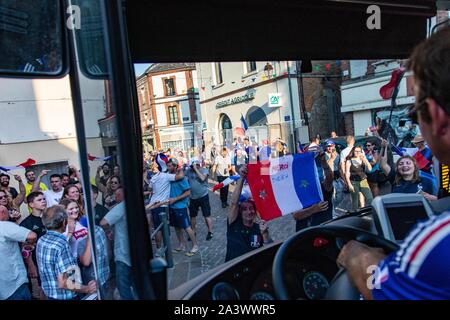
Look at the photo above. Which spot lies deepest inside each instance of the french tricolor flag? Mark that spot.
(30, 162)
(241, 131)
(284, 185)
(226, 182)
(94, 158)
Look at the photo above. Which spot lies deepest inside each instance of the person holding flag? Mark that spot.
(323, 210)
(405, 178)
(423, 156)
(245, 231)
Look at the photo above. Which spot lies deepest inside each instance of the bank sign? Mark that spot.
(275, 100)
(245, 97)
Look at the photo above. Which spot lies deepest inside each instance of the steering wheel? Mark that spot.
(340, 287)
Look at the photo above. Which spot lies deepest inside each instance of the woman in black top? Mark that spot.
(355, 175)
(244, 234)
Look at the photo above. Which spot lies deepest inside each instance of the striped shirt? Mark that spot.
(420, 269)
(55, 258)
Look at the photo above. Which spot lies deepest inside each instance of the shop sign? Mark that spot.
(230, 101)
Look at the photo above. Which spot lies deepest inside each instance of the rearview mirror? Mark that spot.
(32, 38)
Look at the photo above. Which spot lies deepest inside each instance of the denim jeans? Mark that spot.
(22, 293)
(123, 281)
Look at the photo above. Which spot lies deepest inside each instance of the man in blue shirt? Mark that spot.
(179, 201)
(420, 269)
(58, 269)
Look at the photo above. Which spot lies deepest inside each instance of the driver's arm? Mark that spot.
(356, 258)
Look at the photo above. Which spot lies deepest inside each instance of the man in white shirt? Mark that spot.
(54, 195)
(222, 166)
(344, 153)
(13, 274)
(160, 192)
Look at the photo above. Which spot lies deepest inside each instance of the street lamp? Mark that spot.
(268, 70)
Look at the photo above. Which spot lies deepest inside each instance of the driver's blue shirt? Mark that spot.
(420, 269)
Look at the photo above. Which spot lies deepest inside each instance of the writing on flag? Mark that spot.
(284, 185)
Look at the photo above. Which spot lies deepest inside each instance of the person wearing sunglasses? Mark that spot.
(420, 270)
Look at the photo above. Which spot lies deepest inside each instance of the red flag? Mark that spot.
(258, 179)
(387, 90)
(91, 158)
(27, 163)
(422, 162)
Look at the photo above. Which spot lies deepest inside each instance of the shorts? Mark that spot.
(155, 216)
(203, 203)
(179, 218)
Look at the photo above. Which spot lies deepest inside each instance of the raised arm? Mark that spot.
(383, 158)
(366, 162)
(98, 182)
(76, 171)
(201, 176)
(234, 207)
(21, 196)
(37, 182)
(329, 175)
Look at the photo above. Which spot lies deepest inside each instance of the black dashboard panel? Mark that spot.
(309, 270)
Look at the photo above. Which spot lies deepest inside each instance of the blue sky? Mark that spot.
(139, 68)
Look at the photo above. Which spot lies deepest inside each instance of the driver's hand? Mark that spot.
(354, 253)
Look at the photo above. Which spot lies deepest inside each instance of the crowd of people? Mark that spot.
(48, 252)
(54, 239)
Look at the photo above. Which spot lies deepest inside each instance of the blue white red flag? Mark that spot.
(243, 123)
(284, 185)
(94, 158)
(22, 165)
(226, 182)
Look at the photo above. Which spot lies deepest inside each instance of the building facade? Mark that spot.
(37, 122)
(362, 100)
(363, 105)
(260, 92)
(169, 106)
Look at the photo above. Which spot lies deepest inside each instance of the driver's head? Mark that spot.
(430, 64)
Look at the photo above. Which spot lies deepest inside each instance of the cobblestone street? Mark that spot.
(212, 253)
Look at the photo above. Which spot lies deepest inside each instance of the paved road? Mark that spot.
(212, 253)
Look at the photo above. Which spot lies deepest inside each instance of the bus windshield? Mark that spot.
(148, 170)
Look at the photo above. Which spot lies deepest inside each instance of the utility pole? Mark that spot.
(291, 100)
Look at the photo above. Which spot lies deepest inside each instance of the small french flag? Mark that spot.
(243, 123)
(22, 165)
(93, 158)
(226, 182)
